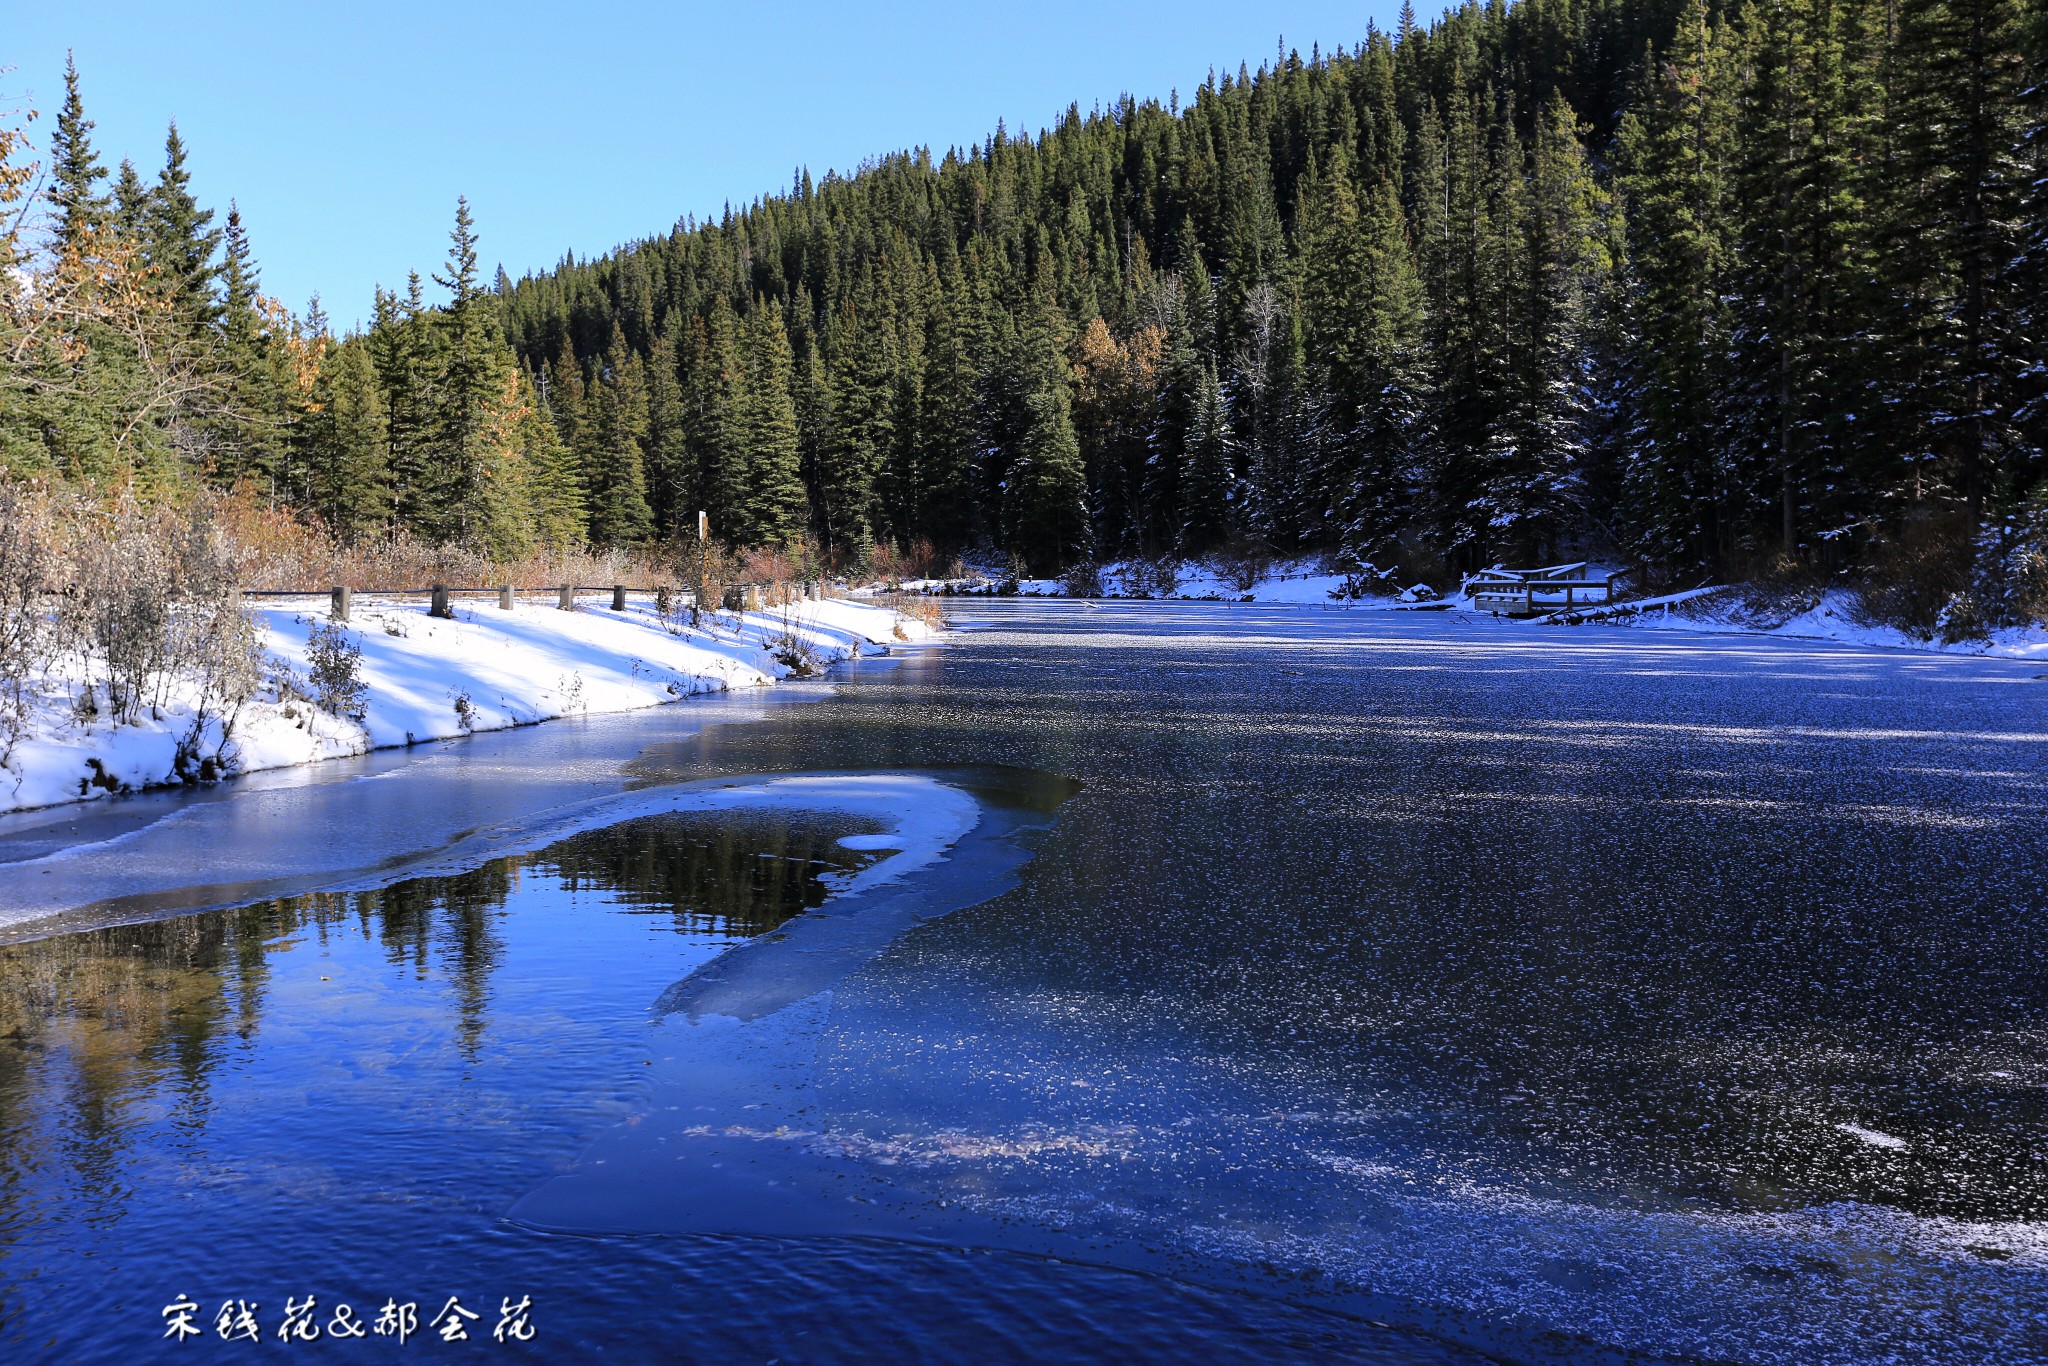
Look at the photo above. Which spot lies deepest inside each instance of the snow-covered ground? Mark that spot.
(1190, 580)
(432, 678)
(1834, 617)
(1719, 611)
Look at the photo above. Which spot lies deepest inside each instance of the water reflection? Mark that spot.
(736, 876)
(109, 1035)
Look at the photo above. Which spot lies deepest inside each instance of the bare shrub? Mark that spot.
(28, 553)
(885, 564)
(918, 607)
(1242, 563)
(1083, 580)
(120, 607)
(795, 653)
(1912, 575)
(154, 610)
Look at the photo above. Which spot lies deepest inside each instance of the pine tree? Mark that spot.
(1673, 153)
(554, 483)
(671, 476)
(617, 472)
(1208, 481)
(773, 510)
(80, 206)
(181, 241)
(345, 439)
(469, 477)
(1047, 496)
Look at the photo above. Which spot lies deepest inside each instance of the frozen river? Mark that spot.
(1301, 984)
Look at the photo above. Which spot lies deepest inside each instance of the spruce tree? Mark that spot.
(181, 240)
(713, 392)
(773, 510)
(617, 472)
(1047, 497)
(76, 200)
(469, 474)
(1673, 154)
(401, 352)
(1210, 496)
(864, 419)
(131, 202)
(1957, 189)
(345, 440)
(1362, 305)
(554, 482)
(671, 477)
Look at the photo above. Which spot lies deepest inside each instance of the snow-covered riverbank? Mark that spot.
(429, 678)
(1834, 617)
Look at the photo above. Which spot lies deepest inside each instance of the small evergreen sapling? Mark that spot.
(334, 669)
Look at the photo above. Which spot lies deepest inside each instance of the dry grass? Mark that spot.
(922, 607)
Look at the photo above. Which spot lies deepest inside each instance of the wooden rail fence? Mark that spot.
(745, 597)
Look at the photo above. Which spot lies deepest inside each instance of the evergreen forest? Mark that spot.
(1715, 291)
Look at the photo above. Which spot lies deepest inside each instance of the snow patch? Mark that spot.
(1873, 1137)
(432, 678)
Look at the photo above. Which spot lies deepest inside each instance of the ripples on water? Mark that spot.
(1557, 990)
(340, 1094)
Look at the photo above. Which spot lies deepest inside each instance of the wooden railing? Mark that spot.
(744, 597)
(1541, 595)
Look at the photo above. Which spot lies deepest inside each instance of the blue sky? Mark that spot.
(345, 131)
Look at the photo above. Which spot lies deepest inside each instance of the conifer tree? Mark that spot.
(671, 478)
(774, 509)
(554, 483)
(469, 477)
(401, 352)
(1047, 495)
(181, 241)
(1210, 496)
(247, 438)
(77, 201)
(1362, 306)
(1673, 154)
(345, 438)
(1957, 187)
(130, 203)
(864, 419)
(617, 472)
(713, 394)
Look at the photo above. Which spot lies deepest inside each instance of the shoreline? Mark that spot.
(429, 679)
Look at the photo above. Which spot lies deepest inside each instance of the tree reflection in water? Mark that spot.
(107, 1034)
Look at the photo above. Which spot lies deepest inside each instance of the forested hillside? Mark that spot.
(1716, 291)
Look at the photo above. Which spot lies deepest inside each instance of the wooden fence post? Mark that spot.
(505, 598)
(567, 600)
(440, 607)
(618, 597)
(337, 602)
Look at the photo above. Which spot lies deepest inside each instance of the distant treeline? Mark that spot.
(1719, 290)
